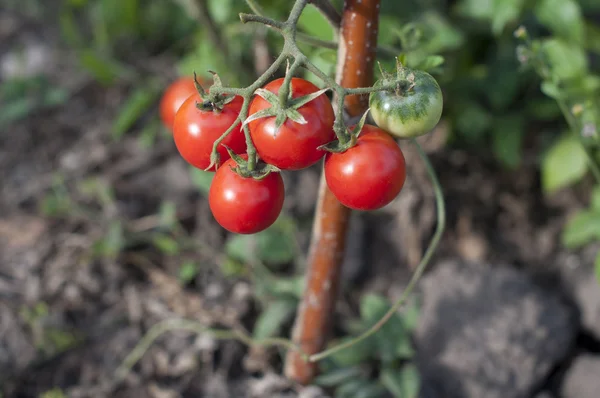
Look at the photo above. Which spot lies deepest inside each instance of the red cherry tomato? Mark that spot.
(293, 146)
(245, 205)
(369, 175)
(195, 131)
(173, 97)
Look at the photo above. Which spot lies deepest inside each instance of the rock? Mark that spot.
(577, 273)
(582, 378)
(488, 332)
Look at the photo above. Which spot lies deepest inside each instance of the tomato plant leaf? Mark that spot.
(564, 164)
(507, 137)
(337, 376)
(402, 383)
(581, 229)
(563, 17)
(166, 244)
(133, 108)
(566, 60)
(595, 200)
(272, 318)
(187, 272)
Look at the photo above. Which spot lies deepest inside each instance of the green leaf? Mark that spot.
(275, 245)
(357, 354)
(563, 17)
(278, 287)
(431, 62)
(103, 70)
(165, 244)
(338, 376)
(507, 135)
(349, 388)
(371, 389)
(595, 200)
(391, 334)
(114, 241)
(402, 383)
(220, 10)
(314, 23)
(564, 164)
(272, 318)
(566, 60)
(201, 179)
(167, 214)
(582, 229)
(551, 90)
(15, 110)
(473, 120)
(188, 272)
(505, 12)
(69, 30)
(133, 108)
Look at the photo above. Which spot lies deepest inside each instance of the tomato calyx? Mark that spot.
(212, 102)
(350, 137)
(283, 111)
(260, 171)
(403, 81)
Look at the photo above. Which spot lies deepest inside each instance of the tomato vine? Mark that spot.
(251, 171)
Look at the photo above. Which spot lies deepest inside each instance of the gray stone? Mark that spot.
(577, 273)
(582, 379)
(489, 332)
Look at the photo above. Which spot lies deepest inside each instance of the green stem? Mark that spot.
(262, 20)
(247, 94)
(195, 327)
(441, 210)
(284, 90)
(295, 13)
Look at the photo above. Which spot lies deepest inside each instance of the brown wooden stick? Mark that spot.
(356, 58)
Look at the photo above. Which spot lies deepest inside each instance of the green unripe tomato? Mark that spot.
(412, 109)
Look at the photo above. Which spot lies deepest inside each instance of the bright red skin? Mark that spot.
(245, 205)
(369, 175)
(173, 97)
(293, 146)
(195, 131)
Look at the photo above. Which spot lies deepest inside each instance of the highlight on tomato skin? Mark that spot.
(293, 146)
(245, 205)
(370, 174)
(173, 97)
(195, 131)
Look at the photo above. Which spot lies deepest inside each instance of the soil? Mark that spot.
(68, 318)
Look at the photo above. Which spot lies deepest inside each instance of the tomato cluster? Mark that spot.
(365, 174)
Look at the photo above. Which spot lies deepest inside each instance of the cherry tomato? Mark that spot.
(411, 113)
(369, 175)
(173, 97)
(245, 205)
(293, 146)
(195, 131)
